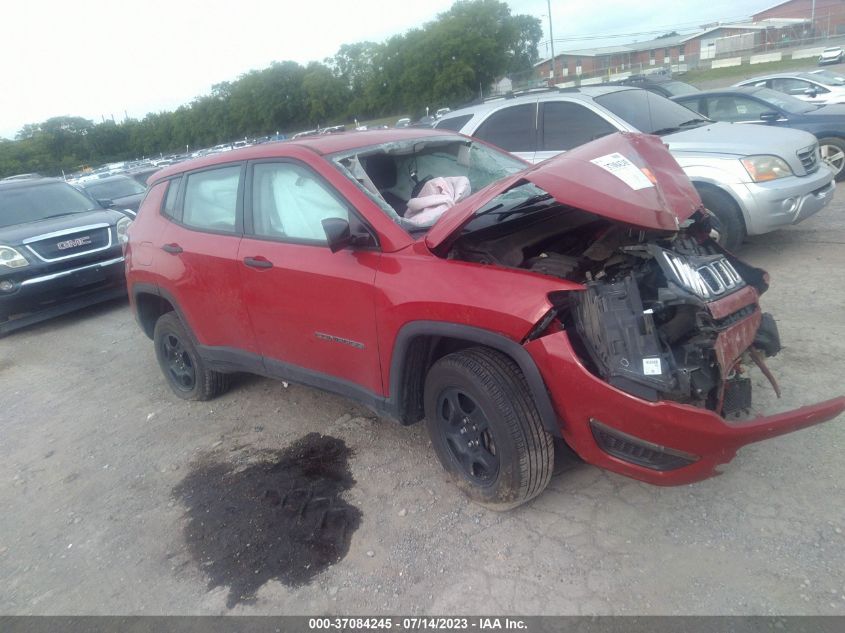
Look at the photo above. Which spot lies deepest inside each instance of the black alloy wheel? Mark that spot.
(185, 370)
(468, 435)
(179, 365)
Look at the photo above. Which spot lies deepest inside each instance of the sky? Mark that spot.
(100, 59)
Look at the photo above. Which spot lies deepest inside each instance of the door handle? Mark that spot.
(258, 262)
(173, 249)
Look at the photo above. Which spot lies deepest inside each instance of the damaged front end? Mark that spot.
(648, 362)
(675, 320)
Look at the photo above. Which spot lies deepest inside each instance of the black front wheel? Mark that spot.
(485, 428)
(182, 366)
(729, 221)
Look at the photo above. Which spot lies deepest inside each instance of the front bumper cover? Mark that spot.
(582, 399)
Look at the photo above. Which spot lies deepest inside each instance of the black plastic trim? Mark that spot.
(483, 337)
(230, 360)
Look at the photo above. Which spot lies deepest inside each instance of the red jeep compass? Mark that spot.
(580, 299)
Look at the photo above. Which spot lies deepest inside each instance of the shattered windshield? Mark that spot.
(416, 181)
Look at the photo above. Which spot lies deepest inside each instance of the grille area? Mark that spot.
(809, 158)
(66, 244)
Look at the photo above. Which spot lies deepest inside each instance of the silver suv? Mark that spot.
(754, 180)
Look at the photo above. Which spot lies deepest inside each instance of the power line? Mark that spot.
(658, 30)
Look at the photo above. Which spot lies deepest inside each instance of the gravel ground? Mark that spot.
(105, 481)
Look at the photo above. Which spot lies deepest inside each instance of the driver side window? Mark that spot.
(290, 201)
(728, 108)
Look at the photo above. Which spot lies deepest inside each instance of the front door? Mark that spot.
(311, 310)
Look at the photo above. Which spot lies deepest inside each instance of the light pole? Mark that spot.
(551, 40)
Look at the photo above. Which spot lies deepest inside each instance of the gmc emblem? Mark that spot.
(77, 241)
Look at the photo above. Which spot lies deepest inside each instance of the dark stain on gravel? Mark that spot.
(282, 518)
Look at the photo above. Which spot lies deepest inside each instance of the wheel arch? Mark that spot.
(151, 302)
(420, 343)
(715, 186)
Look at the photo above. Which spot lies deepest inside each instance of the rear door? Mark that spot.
(312, 310)
(199, 264)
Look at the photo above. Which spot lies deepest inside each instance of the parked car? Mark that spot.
(753, 180)
(580, 300)
(403, 122)
(665, 88)
(836, 78)
(142, 174)
(811, 87)
(831, 55)
(441, 112)
(120, 192)
(59, 251)
(764, 106)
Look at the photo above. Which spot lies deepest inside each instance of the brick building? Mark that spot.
(711, 42)
(827, 17)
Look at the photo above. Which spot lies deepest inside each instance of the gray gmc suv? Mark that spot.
(753, 179)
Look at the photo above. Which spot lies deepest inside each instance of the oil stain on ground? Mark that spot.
(281, 519)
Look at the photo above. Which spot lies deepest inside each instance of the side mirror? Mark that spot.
(338, 234)
(769, 117)
(811, 92)
(106, 203)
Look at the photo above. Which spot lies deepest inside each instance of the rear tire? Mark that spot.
(731, 226)
(486, 429)
(833, 154)
(183, 368)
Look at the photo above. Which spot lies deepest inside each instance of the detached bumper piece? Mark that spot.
(664, 443)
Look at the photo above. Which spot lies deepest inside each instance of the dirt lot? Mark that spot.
(118, 498)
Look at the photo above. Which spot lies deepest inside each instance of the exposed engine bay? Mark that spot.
(665, 315)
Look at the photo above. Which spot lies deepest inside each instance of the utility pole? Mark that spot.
(552, 40)
(813, 19)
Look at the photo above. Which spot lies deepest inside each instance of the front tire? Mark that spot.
(485, 428)
(833, 154)
(731, 225)
(183, 368)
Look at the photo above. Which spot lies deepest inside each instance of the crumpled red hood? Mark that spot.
(631, 178)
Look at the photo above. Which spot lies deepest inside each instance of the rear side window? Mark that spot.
(513, 129)
(455, 123)
(696, 105)
(211, 199)
(169, 208)
(567, 125)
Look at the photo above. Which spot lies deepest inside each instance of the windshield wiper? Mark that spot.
(525, 204)
(58, 215)
(681, 126)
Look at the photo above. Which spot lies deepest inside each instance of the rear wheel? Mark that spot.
(184, 370)
(730, 225)
(833, 154)
(485, 428)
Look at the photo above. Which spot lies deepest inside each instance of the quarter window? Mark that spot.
(169, 208)
(511, 128)
(211, 199)
(290, 201)
(567, 125)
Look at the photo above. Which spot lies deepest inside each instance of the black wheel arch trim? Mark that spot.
(152, 289)
(511, 348)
